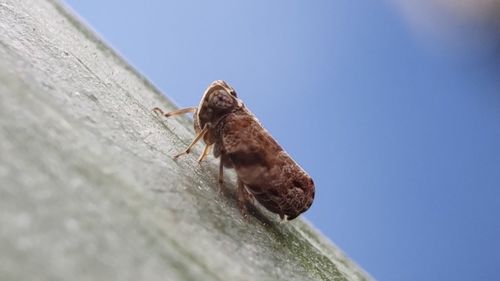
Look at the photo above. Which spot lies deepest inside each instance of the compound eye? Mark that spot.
(221, 100)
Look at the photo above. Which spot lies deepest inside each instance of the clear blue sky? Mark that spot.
(401, 138)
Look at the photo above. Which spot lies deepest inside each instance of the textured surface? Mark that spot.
(89, 190)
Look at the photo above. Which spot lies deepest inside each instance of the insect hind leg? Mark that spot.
(244, 198)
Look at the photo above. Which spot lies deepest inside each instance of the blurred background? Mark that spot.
(392, 106)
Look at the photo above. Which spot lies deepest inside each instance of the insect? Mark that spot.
(264, 170)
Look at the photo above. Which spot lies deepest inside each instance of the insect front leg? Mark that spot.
(205, 152)
(196, 139)
(159, 111)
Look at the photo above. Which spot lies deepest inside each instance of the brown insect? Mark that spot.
(265, 171)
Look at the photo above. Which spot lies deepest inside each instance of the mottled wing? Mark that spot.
(275, 180)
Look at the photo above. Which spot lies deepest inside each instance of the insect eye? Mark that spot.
(221, 100)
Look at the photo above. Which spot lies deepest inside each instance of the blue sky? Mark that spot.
(400, 135)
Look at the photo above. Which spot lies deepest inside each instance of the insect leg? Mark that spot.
(283, 218)
(221, 172)
(196, 139)
(205, 152)
(221, 177)
(243, 198)
(159, 111)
